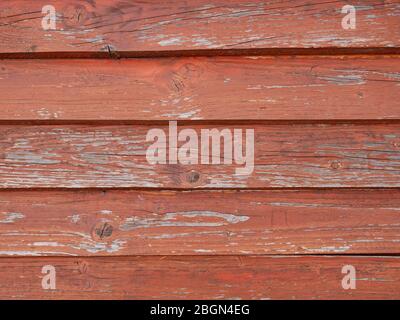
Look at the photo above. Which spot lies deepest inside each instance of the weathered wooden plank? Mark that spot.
(117, 222)
(229, 277)
(214, 88)
(296, 155)
(150, 26)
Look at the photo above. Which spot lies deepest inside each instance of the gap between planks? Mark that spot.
(273, 52)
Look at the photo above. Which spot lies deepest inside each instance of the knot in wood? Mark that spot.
(103, 230)
(336, 165)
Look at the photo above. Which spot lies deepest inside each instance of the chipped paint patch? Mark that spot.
(97, 247)
(171, 42)
(343, 80)
(329, 249)
(170, 220)
(75, 218)
(46, 244)
(11, 217)
(33, 253)
(44, 113)
(28, 157)
(183, 115)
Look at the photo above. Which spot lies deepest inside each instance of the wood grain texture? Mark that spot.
(116, 222)
(217, 88)
(286, 156)
(76, 189)
(201, 278)
(149, 26)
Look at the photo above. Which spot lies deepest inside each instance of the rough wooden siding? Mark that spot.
(76, 190)
(211, 277)
(289, 155)
(116, 222)
(151, 26)
(251, 88)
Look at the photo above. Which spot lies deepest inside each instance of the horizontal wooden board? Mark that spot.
(213, 88)
(151, 26)
(286, 156)
(117, 222)
(229, 277)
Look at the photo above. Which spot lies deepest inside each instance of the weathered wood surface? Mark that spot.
(151, 26)
(229, 277)
(186, 243)
(296, 155)
(213, 88)
(117, 222)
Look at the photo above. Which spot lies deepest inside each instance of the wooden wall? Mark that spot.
(76, 189)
